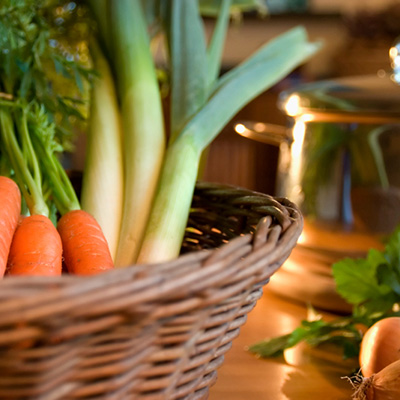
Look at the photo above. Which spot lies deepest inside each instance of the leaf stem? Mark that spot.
(31, 191)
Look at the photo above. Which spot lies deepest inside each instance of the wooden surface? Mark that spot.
(302, 373)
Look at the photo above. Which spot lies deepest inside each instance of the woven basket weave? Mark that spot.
(147, 332)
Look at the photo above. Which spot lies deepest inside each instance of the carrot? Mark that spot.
(10, 209)
(36, 248)
(85, 248)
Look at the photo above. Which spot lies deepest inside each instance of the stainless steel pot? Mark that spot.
(340, 151)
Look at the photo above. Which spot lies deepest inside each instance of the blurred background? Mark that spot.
(357, 35)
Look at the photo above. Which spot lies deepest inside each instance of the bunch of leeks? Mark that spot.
(143, 176)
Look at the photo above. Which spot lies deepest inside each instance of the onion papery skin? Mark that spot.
(380, 346)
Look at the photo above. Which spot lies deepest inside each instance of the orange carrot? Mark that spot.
(85, 249)
(36, 248)
(10, 198)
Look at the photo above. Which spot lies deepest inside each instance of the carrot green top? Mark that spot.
(35, 111)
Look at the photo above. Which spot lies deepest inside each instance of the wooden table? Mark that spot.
(302, 373)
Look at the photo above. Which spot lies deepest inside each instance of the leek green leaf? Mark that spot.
(188, 62)
(252, 79)
(284, 43)
(101, 12)
(211, 8)
(215, 48)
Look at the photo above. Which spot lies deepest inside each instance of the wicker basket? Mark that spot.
(147, 332)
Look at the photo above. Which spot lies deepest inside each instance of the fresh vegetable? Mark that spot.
(371, 285)
(9, 216)
(123, 24)
(139, 164)
(36, 245)
(36, 248)
(380, 346)
(23, 160)
(85, 249)
(103, 184)
(38, 101)
(215, 107)
(142, 122)
(384, 385)
(160, 173)
(35, 125)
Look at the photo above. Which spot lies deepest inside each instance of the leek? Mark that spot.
(216, 46)
(160, 174)
(275, 60)
(188, 63)
(102, 185)
(166, 227)
(142, 122)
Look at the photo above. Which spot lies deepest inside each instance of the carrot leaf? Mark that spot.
(43, 81)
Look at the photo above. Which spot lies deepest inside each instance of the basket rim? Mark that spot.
(207, 261)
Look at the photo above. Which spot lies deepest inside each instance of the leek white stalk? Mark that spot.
(172, 203)
(170, 211)
(142, 122)
(102, 186)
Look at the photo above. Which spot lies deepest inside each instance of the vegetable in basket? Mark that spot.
(9, 215)
(36, 245)
(102, 186)
(160, 170)
(150, 173)
(85, 249)
(34, 128)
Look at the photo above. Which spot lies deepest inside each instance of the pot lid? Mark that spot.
(370, 98)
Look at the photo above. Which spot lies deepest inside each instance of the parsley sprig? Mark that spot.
(371, 285)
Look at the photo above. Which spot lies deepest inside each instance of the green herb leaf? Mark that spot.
(356, 278)
(342, 332)
(387, 275)
(272, 347)
(392, 249)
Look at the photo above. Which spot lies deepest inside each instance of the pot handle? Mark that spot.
(262, 132)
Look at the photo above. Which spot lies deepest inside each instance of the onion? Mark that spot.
(380, 362)
(380, 346)
(384, 385)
